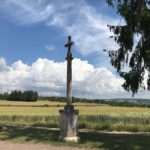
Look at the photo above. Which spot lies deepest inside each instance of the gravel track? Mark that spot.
(5, 145)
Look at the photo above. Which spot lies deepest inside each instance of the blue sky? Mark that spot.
(32, 38)
(26, 36)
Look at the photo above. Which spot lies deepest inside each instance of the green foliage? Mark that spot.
(53, 98)
(30, 96)
(3, 96)
(23, 96)
(136, 14)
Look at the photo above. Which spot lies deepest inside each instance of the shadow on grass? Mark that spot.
(88, 139)
(116, 141)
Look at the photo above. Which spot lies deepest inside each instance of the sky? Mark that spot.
(32, 53)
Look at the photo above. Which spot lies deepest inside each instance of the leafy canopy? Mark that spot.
(136, 56)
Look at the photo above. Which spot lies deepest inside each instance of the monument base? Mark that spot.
(69, 125)
(72, 139)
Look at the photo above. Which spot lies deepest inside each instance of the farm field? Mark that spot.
(33, 121)
(91, 116)
(52, 109)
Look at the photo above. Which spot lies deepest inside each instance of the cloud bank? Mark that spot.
(49, 78)
(87, 25)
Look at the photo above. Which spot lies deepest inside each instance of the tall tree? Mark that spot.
(136, 56)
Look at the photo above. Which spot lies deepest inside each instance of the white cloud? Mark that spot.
(87, 25)
(90, 31)
(50, 47)
(49, 78)
(27, 12)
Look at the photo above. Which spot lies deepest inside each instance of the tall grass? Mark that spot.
(49, 121)
(97, 122)
(116, 123)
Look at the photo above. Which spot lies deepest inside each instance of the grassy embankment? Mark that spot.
(92, 116)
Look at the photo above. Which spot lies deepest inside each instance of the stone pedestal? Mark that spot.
(69, 125)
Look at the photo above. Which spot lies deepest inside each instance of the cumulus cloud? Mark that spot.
(49, 78)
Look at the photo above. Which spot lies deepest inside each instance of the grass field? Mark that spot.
(52, 108)
(19, 122)
(92, 116)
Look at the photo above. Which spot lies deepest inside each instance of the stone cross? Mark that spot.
(69, 59)
(69, 115)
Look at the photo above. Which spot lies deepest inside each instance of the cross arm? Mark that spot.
(69, 44)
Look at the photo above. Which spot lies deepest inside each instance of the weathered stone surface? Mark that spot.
(69, 59)
(69, 125)
(69, 116)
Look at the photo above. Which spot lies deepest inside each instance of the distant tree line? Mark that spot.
(111, 102)
(33, 96)
(20, 96)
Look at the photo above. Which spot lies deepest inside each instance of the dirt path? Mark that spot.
(4, 145)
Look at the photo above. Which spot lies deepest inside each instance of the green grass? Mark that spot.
(96, 122)
(49, 121)
(88, 139)
(116, 123)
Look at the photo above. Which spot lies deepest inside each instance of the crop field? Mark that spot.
(52, 109)
(33, 122)
(92, 116)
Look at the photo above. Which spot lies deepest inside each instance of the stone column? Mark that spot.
(69, 116)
